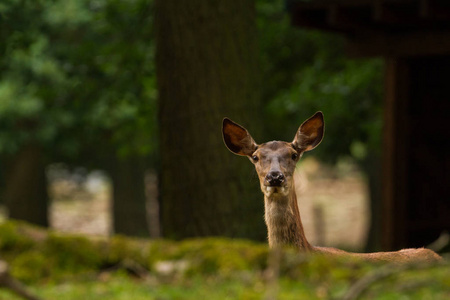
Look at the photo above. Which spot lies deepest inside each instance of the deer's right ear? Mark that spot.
(237, 139)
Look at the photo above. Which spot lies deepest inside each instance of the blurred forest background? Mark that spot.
(108, 94)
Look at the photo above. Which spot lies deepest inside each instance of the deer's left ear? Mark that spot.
(310, 133)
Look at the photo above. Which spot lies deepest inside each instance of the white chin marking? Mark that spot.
(275, 190)
(268, 190)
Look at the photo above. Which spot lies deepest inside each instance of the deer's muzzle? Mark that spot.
(274, 178)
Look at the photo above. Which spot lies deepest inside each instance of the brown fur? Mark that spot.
(282, 216)
(283, 222)
(287, 229)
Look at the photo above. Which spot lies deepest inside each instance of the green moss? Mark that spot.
(12, 238)
(160, 250)
(213, 255)
(73, 252)
(31, 266)
(37, 256)
(57, 256)
(122, 248)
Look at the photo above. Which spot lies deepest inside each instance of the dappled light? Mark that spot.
(334, 204)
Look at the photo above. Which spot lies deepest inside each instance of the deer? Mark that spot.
(275, 163)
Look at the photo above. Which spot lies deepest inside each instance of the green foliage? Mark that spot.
(77, 73)
(80, 74)
(306, 71)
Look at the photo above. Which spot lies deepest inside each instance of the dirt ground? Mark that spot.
(332, 201)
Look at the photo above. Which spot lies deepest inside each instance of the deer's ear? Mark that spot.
(310, 133)
(237, 139)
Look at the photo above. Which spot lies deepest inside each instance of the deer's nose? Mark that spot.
(275, 178)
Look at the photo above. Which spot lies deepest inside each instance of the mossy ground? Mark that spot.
(56, 266)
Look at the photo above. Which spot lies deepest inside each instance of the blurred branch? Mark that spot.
(440, 243)
(358, 288)
(9, 282)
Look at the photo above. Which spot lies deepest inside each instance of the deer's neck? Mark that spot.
(283, 221)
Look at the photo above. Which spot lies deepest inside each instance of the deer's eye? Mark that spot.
(294, 156)
(255, 158)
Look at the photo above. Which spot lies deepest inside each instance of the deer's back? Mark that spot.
(402, 256)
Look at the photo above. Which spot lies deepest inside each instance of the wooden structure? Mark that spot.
(413, 36)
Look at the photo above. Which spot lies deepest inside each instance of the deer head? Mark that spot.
(274, 161)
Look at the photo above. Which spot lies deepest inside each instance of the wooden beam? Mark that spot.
(434, 9)
(345, 3)
(405, 44)
(349, 16)
(394, 167)
(425, 8)
(349, 19)
(330, 15)
(316, 18)
(335, 18)
(396, 13)
(388, 185)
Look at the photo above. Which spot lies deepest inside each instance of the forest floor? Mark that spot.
(333, 203)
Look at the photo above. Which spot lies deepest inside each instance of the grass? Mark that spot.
(123, 287)
(55, 266)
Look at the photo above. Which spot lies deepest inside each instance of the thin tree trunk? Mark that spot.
(372, 167)
(207, 68)
(26, 186)
(129, 200)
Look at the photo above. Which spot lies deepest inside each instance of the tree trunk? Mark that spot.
(207, 68)
(26, 186)
(129, 200)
